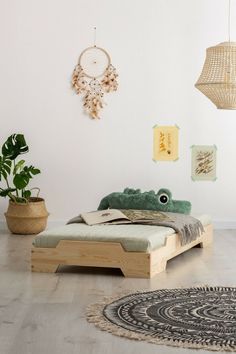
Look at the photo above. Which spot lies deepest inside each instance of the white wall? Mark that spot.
(158, 48)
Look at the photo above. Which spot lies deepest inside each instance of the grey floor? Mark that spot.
(45, 313)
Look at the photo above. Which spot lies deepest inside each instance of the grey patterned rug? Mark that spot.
(201, 317)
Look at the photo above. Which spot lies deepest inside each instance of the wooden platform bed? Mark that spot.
(113, 255)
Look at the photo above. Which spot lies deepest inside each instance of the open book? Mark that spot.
(115, 216)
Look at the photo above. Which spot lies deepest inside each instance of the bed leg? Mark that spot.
(204, 244)
(158, 267)
(44, 268)
(208, 239)
(136, 273)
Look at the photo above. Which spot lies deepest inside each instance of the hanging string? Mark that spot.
(229, 64)
(229, 20)
(94, 36)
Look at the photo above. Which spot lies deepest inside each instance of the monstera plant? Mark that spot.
(26, 214)
(15, 174)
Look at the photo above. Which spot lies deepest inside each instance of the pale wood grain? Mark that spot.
(113, 255)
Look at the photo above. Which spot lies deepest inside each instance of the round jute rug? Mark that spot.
(200, 317)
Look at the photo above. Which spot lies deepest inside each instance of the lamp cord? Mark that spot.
(95, 35)
(229, 20)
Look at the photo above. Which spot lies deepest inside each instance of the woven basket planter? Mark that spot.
(27, 218)
(218, 78)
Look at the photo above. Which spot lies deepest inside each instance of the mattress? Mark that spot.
(133, 238)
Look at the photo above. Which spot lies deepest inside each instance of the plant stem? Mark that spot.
(8, 186)
(13, 197)
(14, 163)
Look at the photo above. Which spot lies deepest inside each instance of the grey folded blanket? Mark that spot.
(188, 227)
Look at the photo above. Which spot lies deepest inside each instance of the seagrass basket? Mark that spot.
(27, 218)
(218, 78)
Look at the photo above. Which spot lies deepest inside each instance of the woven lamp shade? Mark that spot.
(218, 78)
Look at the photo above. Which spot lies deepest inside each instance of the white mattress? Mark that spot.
(134, 238)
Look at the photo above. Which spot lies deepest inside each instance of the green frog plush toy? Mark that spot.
(134, 199)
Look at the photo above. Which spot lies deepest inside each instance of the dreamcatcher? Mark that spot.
(93, 76)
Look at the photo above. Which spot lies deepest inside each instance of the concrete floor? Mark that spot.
(45, 313)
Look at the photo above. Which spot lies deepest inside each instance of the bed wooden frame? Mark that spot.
(113, 255)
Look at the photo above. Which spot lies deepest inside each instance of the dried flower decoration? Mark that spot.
(93, 76)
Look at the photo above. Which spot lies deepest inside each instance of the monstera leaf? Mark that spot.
(6, 192)
(27, 194)
(18, 166)
(14, 146)
(5, 167)
(21, 179)
(31, 171)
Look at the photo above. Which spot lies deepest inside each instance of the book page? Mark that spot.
(103, 216)
(143, 216)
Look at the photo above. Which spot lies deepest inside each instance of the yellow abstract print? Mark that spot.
(165, 143)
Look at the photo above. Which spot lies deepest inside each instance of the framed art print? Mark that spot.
(165, 143)
(204, 162)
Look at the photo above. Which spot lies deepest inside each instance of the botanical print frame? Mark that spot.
(165, 143)
(204, 162)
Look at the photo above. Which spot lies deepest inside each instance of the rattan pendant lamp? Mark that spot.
(218, 78)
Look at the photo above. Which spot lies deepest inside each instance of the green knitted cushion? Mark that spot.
(135, 199)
